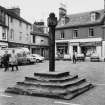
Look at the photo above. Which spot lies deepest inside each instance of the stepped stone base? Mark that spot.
(52, 84)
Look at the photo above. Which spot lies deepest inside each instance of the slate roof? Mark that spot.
(14, 15)
(83, 19)
(38, 31)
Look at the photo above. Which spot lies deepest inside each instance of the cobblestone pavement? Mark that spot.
(92, 71)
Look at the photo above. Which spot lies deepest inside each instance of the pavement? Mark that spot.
(92, 71)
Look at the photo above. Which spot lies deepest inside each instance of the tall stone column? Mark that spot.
(52, 22)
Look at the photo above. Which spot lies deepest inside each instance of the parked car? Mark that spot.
(38, 57)
(21, 59)
(67, 57)
(94, 57)
(80, 57)
(31, 59)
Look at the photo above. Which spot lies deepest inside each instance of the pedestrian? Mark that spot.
(74, 57)
(5, 60)
(13, 60)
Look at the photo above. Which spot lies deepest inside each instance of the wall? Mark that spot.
(15, 25)
(0, 32)
(103, 49)
(39, 42)
(98, 50)
(83, 32)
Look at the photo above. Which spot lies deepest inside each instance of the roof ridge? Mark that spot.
(8, 11)
(86, 12)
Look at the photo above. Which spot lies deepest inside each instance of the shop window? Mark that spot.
(91, 32)
(62, 35)
(12, 34)
(33, 39)
(75, 48)
(75, 33)
(4, 33)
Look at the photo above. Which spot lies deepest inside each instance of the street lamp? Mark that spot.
(52, 22)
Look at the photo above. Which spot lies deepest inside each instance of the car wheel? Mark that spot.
(28, 62)
(37, 60)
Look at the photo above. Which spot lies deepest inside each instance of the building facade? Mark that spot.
(82, 32)
(39, 39)
(17, 30)
(3, 29)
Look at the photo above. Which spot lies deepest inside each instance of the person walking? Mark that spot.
(74, 57)
(13, 60)
(5, 60)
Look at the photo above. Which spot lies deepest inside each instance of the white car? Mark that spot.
(80, 57)
(94, 57)
(31, 59)
(38, 57)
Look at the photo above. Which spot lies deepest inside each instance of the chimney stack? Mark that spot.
(104, 6)
(62, 11)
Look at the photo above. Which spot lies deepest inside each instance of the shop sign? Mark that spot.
(17, 45)
(91, 44)
(74, 44)
(61, 44)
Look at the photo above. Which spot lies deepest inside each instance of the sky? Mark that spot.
(38, 10)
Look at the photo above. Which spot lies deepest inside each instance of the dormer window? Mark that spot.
(93, 16)
(62, 21)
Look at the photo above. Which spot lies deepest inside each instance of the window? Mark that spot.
(26, 26)
(91, 32)
(93, 16)
(62, 35)
(62, 21)
(75, 34)
(27, 37)
(3, 33)
(11, 34)
(20, 36)
(33, 39)
(11, 19)
(20, 23)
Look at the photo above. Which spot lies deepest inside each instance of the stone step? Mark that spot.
(73, 95)
(52, 74)
(65, 94)
(74, 89)
(63, 79)
(71, 89)
(54, 85)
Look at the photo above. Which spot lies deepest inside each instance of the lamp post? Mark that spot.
(52, 22)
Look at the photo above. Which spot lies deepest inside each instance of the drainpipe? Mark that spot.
(103, 39)
(8, 31)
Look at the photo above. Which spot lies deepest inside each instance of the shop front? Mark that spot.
(88, 48)
(41, 50)
(62, 48)
(3, 45)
